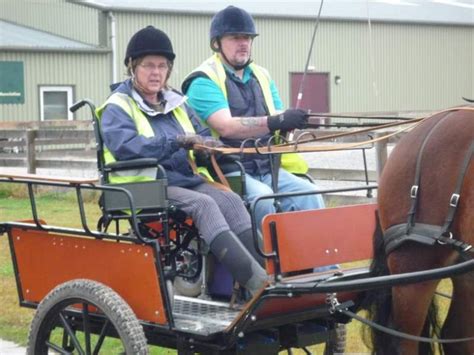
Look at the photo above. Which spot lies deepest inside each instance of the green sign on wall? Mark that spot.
(12, 86)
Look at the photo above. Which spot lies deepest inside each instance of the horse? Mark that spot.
(428, 173)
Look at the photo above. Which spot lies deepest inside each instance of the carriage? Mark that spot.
(152, 284)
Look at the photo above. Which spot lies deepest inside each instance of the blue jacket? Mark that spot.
(122, 139)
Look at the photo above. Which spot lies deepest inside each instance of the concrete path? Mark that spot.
(9, 348)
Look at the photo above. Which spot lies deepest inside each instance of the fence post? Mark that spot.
(30, 136)
(380, 155)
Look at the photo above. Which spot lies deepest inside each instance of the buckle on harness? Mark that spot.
(450, 236)
(414, 191)
(454, 200)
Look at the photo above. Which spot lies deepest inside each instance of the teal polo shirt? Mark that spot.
(206, 97)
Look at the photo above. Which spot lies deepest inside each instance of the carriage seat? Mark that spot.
(302, 240)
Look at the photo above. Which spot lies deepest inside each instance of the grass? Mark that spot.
(58, 208)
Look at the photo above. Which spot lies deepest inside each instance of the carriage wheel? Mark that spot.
(85, 317)
(336, 344)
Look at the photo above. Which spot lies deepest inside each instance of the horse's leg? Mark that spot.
(460, 320)
(410, 304)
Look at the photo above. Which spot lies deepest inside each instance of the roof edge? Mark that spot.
(277, 16)
(97, 50)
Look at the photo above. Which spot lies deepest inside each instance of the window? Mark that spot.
(55, 102)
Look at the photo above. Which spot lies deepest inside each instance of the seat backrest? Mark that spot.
(309, 239)
(149, 195)
(146, 195)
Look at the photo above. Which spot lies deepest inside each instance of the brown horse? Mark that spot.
(441, 144)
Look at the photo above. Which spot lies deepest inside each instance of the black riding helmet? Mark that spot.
(149, 40)
(231, 20)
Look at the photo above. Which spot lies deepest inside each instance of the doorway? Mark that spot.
(315, 91)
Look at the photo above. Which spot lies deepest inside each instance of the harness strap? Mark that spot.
(455, 243)
(414, 191)
(426, 234)
(454, 201)
(421, 233)
(398, 333)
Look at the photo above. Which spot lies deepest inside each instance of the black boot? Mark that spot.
(246, 238)
(234, 256)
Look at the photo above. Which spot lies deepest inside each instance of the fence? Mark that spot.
(55, 144)
(71, 145)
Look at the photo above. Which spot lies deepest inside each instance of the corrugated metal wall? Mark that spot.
(85, 72)
(397, 67)
(56, 16)
(188, 35)
(406, 67)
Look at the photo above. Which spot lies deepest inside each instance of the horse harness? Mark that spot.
(421, 233)
(429, 234)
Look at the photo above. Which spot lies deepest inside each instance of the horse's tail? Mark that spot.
(378, 303)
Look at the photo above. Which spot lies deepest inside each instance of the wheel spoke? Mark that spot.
(86, 324)
(71, 334)
(102, 335)
(65, 340)
(79, 316)
(57, 348)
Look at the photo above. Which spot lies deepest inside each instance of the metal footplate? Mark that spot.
(202, 316)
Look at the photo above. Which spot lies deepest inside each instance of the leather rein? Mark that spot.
(300, 145)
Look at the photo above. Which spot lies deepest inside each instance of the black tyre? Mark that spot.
(98, 317)
(189, 280)
(336, 344)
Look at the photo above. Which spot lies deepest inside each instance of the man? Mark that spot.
(240, 102)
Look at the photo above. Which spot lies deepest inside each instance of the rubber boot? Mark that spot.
(246, 238)
(230, 251)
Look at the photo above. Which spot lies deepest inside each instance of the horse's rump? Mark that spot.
(442, 143)
(450, 135)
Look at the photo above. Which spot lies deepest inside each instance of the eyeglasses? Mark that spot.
(152, 67)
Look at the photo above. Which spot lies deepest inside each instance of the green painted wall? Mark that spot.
(395, 67)
(55, 16)
(85, 72)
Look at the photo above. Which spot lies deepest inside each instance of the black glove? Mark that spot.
(188, 141)
(202, 157)
(287, 120)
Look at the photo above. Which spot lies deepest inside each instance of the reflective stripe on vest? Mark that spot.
(214, 69)
(128, 105)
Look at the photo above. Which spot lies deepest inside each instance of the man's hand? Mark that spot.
(287, 120)
(189, 140)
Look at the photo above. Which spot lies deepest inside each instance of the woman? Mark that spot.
(144, 118)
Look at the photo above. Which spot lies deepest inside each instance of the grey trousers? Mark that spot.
(213, 211)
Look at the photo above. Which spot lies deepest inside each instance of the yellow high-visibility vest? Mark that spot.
(144, 128)
(214, 69)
